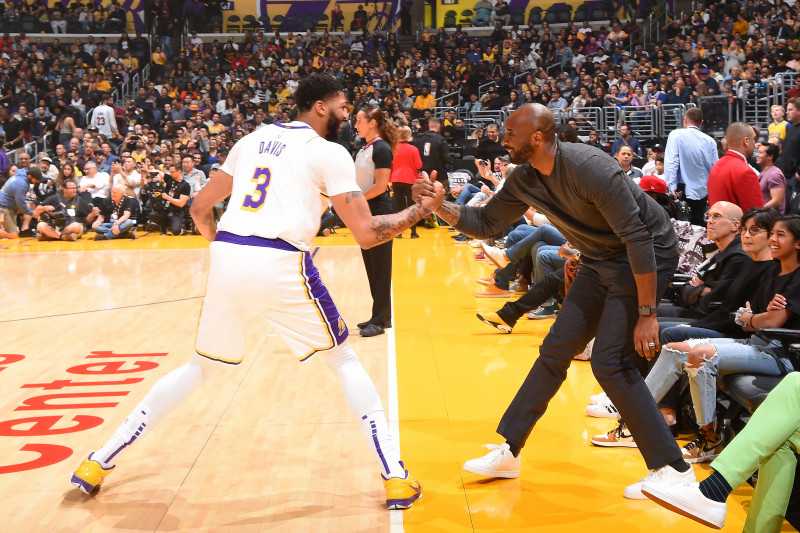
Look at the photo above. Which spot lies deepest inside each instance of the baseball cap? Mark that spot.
(194, 107)
(705, 71)
(46, 158)
(653, 184)
(658, 147)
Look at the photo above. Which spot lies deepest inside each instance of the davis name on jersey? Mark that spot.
(279, 173)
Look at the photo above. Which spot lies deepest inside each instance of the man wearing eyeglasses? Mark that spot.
(69, 214)
(710, 285)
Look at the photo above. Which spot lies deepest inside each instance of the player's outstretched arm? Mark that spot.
(202, 209)
(371, 230)
(479, 222)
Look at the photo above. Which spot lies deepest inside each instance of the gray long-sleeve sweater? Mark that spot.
(588, 198)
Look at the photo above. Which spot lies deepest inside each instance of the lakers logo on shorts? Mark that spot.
(342, 327)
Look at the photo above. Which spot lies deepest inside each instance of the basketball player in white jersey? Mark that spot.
(104, 120)
(260, 269)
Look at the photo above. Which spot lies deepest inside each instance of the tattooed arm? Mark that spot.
(202, 209)
(476, 221)
(371, 230)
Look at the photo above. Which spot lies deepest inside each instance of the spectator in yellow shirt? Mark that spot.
(777, 128)
(424, 100)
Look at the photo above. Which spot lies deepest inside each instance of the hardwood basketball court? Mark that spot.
(269, 445)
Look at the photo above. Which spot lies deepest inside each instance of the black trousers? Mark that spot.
(402, 199)
(166, 220)
(699, 208)
(550, 286)
(602, 303)
(378, 263)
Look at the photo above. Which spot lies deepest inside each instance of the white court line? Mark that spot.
(393, 416)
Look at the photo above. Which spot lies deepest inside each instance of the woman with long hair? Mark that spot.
(373, 170)
(405, 169)
(66, 172)
(65, 125)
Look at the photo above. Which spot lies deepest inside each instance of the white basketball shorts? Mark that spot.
(254, 281)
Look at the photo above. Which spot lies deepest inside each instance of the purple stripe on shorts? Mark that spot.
(319, 292)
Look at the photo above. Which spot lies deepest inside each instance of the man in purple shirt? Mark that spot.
(771, 179)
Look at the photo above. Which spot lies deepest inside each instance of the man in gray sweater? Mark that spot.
(629, 253)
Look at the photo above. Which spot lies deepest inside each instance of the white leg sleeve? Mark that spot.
(365, 404)
(168, 393)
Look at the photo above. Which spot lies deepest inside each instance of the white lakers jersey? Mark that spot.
(279, 174)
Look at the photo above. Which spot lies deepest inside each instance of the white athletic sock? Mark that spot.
(168, 393)
(365, 404)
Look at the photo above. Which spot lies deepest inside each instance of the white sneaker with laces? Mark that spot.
(499, 462)
(495, 255)
(663, 477)
(475, 243)
(602, 411)
(687, 500)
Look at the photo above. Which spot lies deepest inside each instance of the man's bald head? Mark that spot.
(530, 136)
(537, 117)
(731, 211)
(741, 137)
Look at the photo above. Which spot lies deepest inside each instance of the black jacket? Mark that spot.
(434, 152)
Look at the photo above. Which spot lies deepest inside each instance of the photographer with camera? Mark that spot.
(115, 221)
(67, 216)
(173, 198)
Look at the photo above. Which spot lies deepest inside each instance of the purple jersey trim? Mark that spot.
(252, 240)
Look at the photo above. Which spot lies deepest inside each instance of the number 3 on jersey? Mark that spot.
(255, 200)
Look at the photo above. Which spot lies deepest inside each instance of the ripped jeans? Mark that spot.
(732, 357)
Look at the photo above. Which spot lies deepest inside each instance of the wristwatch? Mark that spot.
(646, 310)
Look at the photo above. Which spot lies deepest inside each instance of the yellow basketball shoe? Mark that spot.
(90, 475)
(401, 492)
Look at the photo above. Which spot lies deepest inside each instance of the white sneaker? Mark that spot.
(687, 500)
(495, 255)
(602, 411)
(499, 462)
(475, 243)
(663, 477)
(600, 399)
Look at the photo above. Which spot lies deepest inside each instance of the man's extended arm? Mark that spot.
(479, 222)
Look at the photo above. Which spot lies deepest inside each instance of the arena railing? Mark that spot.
(670, 117)
(440, 110)
(642, 121)
(438, 101)
(483, 118)
(753, 102)
(587, 118)
(783, 82)
(482, 88)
